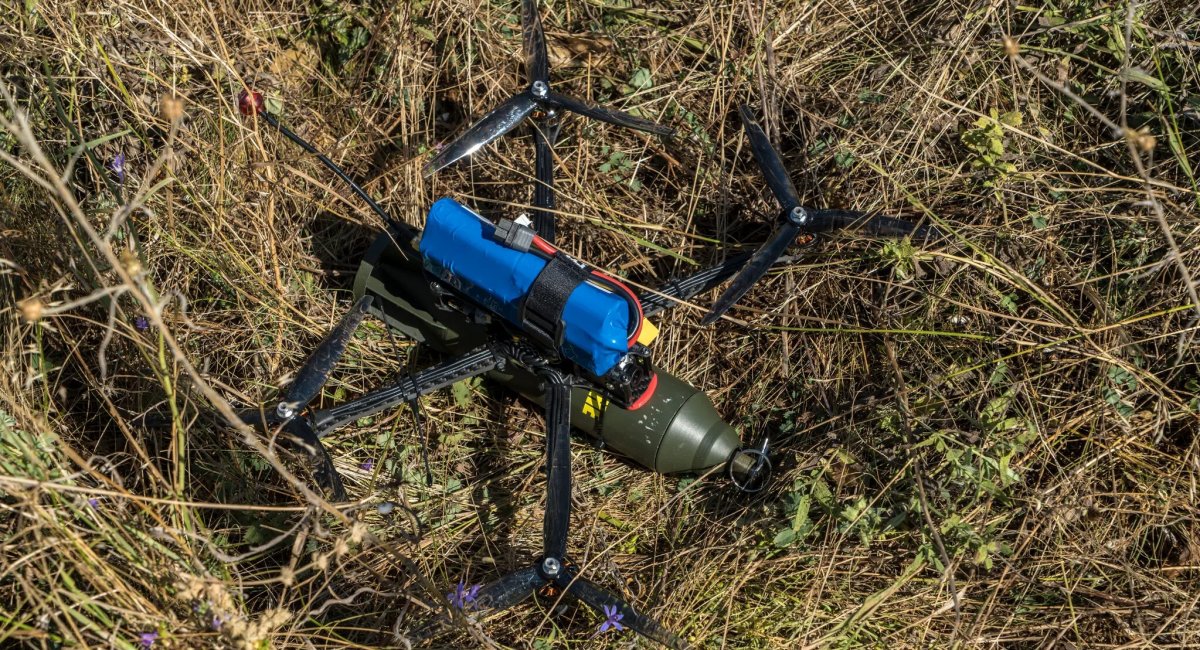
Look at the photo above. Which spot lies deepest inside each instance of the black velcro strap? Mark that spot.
(541, 313)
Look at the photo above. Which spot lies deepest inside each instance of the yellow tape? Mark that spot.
(649, 332)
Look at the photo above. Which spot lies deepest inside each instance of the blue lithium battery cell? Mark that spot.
(458, 248)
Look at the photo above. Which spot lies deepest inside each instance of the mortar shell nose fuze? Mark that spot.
(750, 469)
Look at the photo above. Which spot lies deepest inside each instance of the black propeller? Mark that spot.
(539, 95)
(796, 220)
(553, 569)
(304, 388)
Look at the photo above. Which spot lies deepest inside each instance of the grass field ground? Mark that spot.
(989, 441)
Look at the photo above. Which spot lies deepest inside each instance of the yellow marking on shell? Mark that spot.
(594, 405)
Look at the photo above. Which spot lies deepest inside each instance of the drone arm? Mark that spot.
(407, 389)
(312, 375)
(558, 462)
(545, 132)
(674, 291)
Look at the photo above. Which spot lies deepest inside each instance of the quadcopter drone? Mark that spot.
(499, 299)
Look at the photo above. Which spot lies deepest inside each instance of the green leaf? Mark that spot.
(999, 374)
(1008, 302)
(993, 413)
(462, 393)
(1122, 378)
(641, 79)
(1137, 75)
(255, 535)
(1012, 118)
(868, 96)
(92, 144)
(784, 537)
(822, 495)
(800, 519)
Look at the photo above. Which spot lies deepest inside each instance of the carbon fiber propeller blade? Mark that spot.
(493, 125)
(598, 599)
(768, 160)
(757, 267)
(876, 225)
(259, 417)
(569, 103)
(537, 66)
(796, 219)
(315, 371)
(323, 470)
(510, 590)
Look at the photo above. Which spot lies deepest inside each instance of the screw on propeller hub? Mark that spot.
(539, 95)
(795, 220)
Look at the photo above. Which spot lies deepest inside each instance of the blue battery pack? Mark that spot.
(458, 248)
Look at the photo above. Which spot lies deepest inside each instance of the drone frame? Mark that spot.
(553, 568)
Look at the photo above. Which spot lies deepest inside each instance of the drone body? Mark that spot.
(676, 430)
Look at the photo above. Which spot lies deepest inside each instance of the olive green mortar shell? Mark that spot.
(677, 430)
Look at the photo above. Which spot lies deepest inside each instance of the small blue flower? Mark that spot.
(463, 597)
(148, 638)
(94, 502)
(612, 620)
(368, 464)
(141, 323)
(118, 167)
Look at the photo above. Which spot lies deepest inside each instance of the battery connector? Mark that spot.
(514, 235)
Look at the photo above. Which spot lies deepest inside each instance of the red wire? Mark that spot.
(640, 317)
(544, 246)
(549, 249)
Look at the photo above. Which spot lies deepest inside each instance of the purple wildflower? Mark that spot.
(141, 323)
(612, 620)
(368, 464)
(94, 502)
(217, 621)
(148, 638)
(463, 597)
(118, 167)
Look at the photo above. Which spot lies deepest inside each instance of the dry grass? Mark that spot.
(990, 442)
